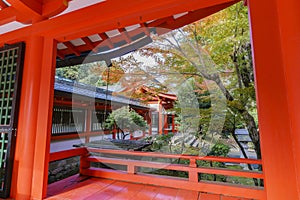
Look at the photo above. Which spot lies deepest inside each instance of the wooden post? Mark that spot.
(30, 173)
(160, 118)
(276, 47)
(173, 123)
(84, 164)
(150, 122)
(88, 124)
(165, 124)
(193, 175)
(131, 168)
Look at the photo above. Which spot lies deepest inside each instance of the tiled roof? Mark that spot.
(73, 87)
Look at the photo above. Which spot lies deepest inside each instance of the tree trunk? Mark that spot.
(248, 118)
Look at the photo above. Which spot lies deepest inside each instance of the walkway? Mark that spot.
(88, 188)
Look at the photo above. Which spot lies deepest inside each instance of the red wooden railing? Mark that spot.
(132, 162)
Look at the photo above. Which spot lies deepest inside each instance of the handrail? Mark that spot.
(176, 156)
(131, 171)
(67, 154)
(178, 167)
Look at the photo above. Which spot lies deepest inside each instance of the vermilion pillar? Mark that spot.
(88, 124)
(275, 28)
(165, 126)
(160, 118)
(173, 123)
(30, 173)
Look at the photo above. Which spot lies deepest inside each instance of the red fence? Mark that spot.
(128, 166)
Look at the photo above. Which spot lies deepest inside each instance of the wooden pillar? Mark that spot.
(165, 124)
(88, 124)
(30, 174)
(114, 132)
(275, 27)
(173, 123)
(150, 121)
(160, 118)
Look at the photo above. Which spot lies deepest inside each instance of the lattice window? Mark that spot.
(11, 60)
(8, 64)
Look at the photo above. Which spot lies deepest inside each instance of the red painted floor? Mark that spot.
(85, 188)
(89, 188)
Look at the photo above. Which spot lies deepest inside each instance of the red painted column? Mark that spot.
(30, 173)
(165, 124)
(173, 123)
(275, 26)
(88, 124)
(160, 119)
(150, 122)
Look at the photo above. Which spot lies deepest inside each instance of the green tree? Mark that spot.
(126, 121)
(96, 74)
(216, 49)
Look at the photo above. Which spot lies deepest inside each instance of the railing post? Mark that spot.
(131, 169)
(84, 164)
(131, 136)
(193, 175)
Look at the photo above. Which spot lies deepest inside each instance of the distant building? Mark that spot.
(82, 109)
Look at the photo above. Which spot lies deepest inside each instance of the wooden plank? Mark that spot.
(208, 196)
(227, 189)
(187, 195)
(70, 189)
(128, 192)
(231, 198)
(108, 192)
(148, 192)
(166, 194)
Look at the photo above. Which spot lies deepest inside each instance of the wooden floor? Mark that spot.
(85, 188)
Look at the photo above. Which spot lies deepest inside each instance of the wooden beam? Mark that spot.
(60, 54)
(125, 34)
(100, 16)
(72, 48)
(32, 9)
(107, 40)
(101, 19)
(89, 43)
(7, 15)
(146, 29)
(3, 5)
(54, 7)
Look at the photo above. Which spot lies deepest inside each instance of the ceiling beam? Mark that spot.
(3, 4)
(89, 43)
(7, 15)
(32, 9)
(106, 39)
(72, 48)
(145, 28)
(191, 17)
(125, 34)
(54, 7)
(100, 16)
